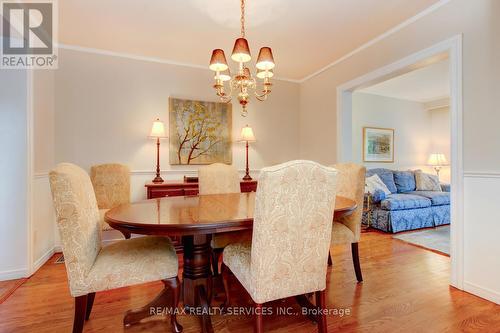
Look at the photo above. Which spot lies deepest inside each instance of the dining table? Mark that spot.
(195, 219)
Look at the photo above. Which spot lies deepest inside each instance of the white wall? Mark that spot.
(410, 120)
(14, 166)
(44, 234)
(441, 135)
(479, 24)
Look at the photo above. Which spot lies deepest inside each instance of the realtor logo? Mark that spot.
(29, 29)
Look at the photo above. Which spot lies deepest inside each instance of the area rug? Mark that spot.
(435, 239)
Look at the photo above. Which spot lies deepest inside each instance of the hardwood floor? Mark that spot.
(8, 287)
(405, 289)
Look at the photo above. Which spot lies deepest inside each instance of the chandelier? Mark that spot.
(243, 84)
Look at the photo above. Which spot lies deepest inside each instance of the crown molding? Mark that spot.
(144, 58)
(377, 39)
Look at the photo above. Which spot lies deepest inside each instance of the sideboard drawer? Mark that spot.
(160, 193)
(191, 191)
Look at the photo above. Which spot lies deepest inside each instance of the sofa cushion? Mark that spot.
(437, 198)
(400, 201)
(386, 176)
(405, 181)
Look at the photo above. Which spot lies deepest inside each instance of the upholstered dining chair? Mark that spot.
(347, 230)
(112, 188)
(219, 178)
(93, 268)
(291, 237)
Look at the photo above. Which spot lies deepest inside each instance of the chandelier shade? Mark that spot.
(241, 51)
(224, 76)
(263, 74)
(218, 61)
(265, 59)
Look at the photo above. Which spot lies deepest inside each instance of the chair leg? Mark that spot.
(330, 259)
(225, 282)
(80, 312)
(90, 303)
(215, 260)
(259, 327)
(321, 304)
(355, 261)
(126, 234)
(174, 284)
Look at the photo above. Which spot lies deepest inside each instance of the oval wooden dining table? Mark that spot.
(195, 219)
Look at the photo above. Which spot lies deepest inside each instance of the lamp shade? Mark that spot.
(158, 129)
(262, 74)
(218, 61)
(224, 76)
(247, 134)
(241, 51)
(437, 159)
(265, 59)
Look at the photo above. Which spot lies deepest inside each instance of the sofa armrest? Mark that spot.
(375, 197)
(445, 187)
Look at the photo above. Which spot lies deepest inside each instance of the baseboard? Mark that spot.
(14, 274)
(485, 293)
(43, 259)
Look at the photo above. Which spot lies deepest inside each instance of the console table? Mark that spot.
(183, 188)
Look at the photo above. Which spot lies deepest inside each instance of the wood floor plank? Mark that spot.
(405, 289)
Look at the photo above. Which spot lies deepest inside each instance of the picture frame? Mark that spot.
(378, 145)
(200, 132)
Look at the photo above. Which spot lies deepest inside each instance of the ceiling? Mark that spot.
(422, 85)
(305, 35)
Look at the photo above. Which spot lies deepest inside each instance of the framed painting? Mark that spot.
(200, 132)
(378, 144)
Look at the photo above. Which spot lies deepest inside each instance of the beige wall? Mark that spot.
(441, 136)
(411, 123)
(478, 22)
(105, 106)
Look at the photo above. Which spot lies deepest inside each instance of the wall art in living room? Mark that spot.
(200, 132)
(378, 144)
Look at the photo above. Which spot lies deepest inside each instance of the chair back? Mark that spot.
(292, 229)
(351, 184)
(111, 184)
(77, 220)
(218, 178)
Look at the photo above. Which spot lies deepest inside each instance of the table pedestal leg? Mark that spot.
(197, 277)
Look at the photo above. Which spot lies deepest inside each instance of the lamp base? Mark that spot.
(247, 177)
(158, 179)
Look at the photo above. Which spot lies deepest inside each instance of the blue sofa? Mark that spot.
(405, 208)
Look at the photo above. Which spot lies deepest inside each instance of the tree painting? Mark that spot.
(200, 132)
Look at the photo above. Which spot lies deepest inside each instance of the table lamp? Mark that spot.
(247, 136)
(437, 160)
(158, 132)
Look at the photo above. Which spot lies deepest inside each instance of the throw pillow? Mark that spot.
(427, 182)
(386, 176)
(405, 181)
(374, 183)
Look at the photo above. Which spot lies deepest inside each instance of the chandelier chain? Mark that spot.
(242, 19)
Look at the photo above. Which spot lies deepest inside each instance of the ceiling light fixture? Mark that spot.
(243, 81)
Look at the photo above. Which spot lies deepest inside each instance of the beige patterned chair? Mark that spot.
(112, 188)
(291, 236)
(92, 268)
(219, 178)
(347, 230)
